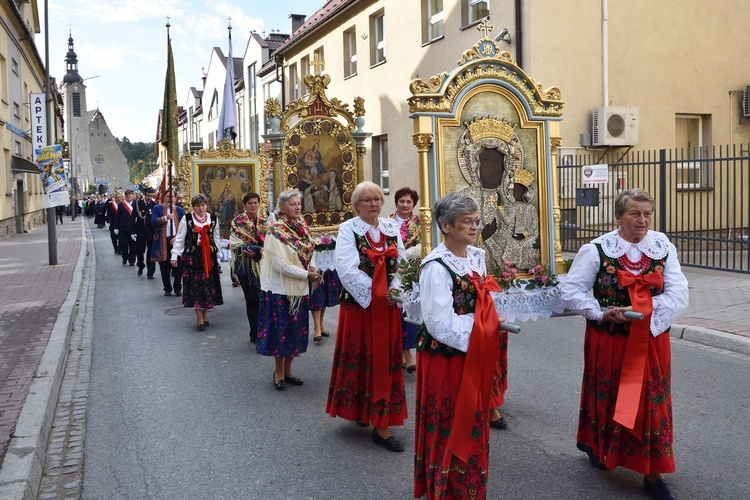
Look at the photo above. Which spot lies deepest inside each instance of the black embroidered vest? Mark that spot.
(365, 265)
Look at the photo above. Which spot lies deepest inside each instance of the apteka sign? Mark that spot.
(38, 122)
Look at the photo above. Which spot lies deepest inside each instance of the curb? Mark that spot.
(23, 466)
(712, 338)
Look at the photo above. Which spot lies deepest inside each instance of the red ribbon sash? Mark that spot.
(128, 209)
(381, 373)
(628, 406)
(479, 368)
(205, 244)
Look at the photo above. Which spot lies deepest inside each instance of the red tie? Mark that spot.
(205, 243)
(381, 373)
(627, 407)
(479, 368)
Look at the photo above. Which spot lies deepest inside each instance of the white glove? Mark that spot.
(117, 231)
(132, 237)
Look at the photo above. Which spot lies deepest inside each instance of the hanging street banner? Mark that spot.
(38, 122)
(52, 172)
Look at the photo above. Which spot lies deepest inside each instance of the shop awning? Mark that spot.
(20, 165)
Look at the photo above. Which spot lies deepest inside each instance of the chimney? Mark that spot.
(297, 21)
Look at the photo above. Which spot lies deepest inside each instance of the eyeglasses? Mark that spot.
(471, 222)
(370, 201)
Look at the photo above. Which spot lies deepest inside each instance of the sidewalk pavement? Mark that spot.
(38, 303)
(37, 308)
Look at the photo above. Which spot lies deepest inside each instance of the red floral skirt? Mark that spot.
(614, 445)
(437, 472)
(351, 386)
(500, 380)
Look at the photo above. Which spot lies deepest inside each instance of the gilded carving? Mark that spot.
(359, 106)
(422, 141)
(273, 107)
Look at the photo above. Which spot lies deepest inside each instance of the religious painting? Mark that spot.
(224, 176)
(319, 161)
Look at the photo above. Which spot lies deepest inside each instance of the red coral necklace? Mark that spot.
(635, 267)
(380, 245)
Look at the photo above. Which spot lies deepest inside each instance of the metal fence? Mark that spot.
(702, 200)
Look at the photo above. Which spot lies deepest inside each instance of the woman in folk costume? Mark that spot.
(325, 294)
(286, 266)
(367, 380)
(197, 241)
(246, 239)
(626, 402)
(457, 350)
(406, 198)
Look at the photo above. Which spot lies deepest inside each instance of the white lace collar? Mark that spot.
(654, 244)
(388, 227)
(462, 266)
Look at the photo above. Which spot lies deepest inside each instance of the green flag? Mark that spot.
(169, 111)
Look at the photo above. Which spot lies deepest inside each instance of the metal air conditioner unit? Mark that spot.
(746, 103)
(615, 126)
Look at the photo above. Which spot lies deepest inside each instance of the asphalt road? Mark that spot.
(178, 414)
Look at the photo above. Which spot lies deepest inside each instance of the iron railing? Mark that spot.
(702, 200)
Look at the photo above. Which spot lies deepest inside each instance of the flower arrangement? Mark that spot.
(325, 243)
(409, 271)
(539, 277)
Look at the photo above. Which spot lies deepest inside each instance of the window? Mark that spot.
(380, 161)
(213, 111)
(350, 52)
(14, 66)
(319, 60)
(377, 35)
(473, 11)
(3, 85)
(304, 70)
(211, 140)
(76, 104)
(433, 15)
(251, 84)
(692, 169)
(18, 148)
(16, 110)
(293, 83)
(99, 159)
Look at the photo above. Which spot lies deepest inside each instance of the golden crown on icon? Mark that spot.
(524, 177)
(489, 126)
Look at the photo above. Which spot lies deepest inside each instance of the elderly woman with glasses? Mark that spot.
(285, 268)
(367, 380)
(457, 352)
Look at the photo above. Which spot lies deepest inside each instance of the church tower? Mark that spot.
(95, 156)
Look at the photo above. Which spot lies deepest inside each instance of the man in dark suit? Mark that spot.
(110, 213)
(144, 232)
(125, 228)
(166, 220)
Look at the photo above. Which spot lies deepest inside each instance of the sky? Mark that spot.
(122, 48)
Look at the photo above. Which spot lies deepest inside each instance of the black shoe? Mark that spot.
(206, 323)
(201, 327)
(132, 264)
(413, 368)
(178, 293)
(124, 263)
(167, 294)
(500, 423)
(595, 463)
(360, 423)
(325, 334)
(150, 276)
(319, 338)
(140, 272)
(658, 490)
(389, 444)
(280, 384)
(254, 339)
(294, 380)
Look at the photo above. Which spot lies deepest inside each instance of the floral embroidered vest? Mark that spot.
(464, 301)
(609, 293)
(365, 265)
(191, 239)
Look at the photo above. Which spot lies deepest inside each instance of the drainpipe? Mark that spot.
(518, 39)
(605, 55)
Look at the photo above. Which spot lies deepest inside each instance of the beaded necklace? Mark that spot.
(377, 246)
(200, 220)
(635, 267)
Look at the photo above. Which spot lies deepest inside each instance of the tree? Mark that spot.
(140, 156)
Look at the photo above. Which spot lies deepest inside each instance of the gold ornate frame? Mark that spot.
(438, 108)
(242, 170)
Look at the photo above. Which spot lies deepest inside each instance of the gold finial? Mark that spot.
(359, 106)
(489, 126)
(273, 107)
(317, 65)
(486, 27)
(524, 177)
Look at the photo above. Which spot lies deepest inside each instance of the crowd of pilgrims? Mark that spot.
(461, 353)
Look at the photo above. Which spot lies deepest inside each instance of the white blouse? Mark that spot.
(356, 281)
(580, 279)
(179, 242)
(436, 294)
(274, 269)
